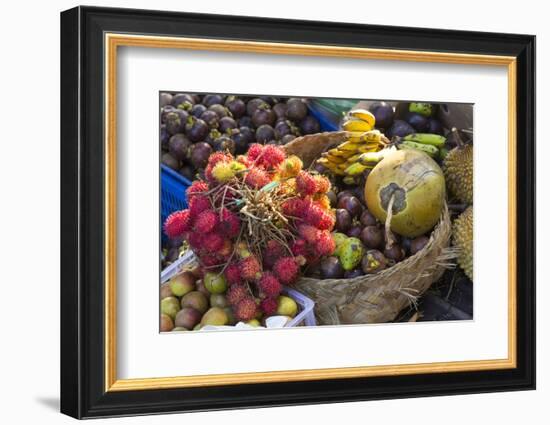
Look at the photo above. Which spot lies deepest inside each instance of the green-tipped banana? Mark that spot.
(425, 109)
(355, 169)
(426, 139)
(428, 149)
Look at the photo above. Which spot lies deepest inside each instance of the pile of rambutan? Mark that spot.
(256, 219)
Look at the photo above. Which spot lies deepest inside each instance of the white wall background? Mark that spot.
(29, 225)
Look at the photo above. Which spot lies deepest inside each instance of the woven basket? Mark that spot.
(379, 297)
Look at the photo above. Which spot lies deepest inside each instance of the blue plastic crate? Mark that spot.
(326, 123)
(172, 192)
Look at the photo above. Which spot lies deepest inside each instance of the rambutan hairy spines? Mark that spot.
(269, 306)
(299, 247)
(229, 223)
(308, 232)
(236, 292)
(254, 151)
(198, 204)
(291, 167)
(250, 268)
(210, 260)
(272, 252)
(305, 183)
(322, 183)
(177, 223)
(233, 274)
(294, 207)
(218, 157)
(246, 309)
(206, 221)
(213, 242)
(272, 156)
(270, 285)
(325, 244)
(196, 188)
(286, 269)
(223, 172)
(195, 240)
(257, 178)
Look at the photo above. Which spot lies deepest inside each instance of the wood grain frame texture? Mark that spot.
(90, 41)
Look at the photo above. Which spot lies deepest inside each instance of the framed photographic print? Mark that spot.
(261, 212)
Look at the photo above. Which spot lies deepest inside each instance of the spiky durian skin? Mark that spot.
(459, 173)
(463, 234)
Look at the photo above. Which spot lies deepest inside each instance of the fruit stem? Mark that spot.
(390, 240)
(456, 134)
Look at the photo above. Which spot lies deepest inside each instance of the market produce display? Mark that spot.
(259, 220)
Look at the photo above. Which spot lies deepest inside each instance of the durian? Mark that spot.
(458, 168)
(463, 240)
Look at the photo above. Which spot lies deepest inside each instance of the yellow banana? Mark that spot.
(364, 115)
(355, 124)
(335, 159)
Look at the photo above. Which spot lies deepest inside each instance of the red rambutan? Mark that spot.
(210, 260)
(325, 244)
(226, 249)
(294, 207)
(322, 183)
(269, 285)
(271, 157)
(305, 183)
(233, 273)
(299, 247)
(250, 268)
(286, 269)
(206, 222)
(212, 242)
(229, 224)
(196, 188)
(195, 240)
(246, 309)
(308, 232)
(272, 252)
(254, 151)
(256, 178)
(177, 224)
(269, 306)
(198, 204)
(235, 293)
(217, 157)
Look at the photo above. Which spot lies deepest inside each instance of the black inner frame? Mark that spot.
(82, 212)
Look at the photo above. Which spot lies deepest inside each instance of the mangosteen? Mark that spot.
(351, 204)
(434, 126)
(168, 160)
(331, 268)
(226, 124)
(212, 99)
(224, 143)
(280, 110)
(242, 137)
(354, 231)
(373, 261)
(211, 136)
(263, 115)
(332, 198)
(310, 125)
(343, 220)
(296, 109)
(383, 114)
(197, 110)
(343, 193)
(395, 252)
(269, 100)
(165, 99)
(246, 121)
(400, 128)
(175, 121)
(418, 243)
(183, 101)
(196, 129)
(372, 237)
(287, 139)
(164, 111)
(265, 133)
(164, 137)
(419, 122)
(199, 154)
(221, 110)
(253, 104)
(350, 274)
(367, 219)
(283, 127)
(178, 146)
(210, 118)
(236, 106)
